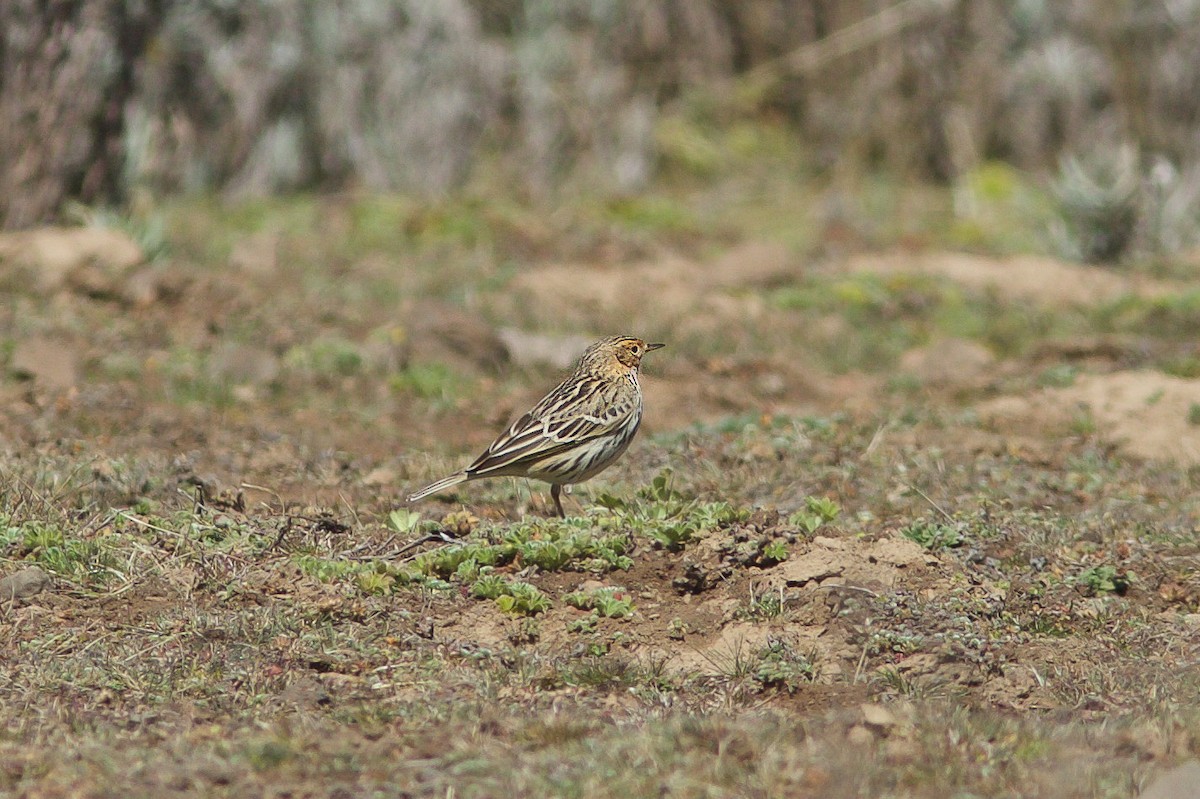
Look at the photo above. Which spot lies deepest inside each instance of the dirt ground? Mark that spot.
(861, 547)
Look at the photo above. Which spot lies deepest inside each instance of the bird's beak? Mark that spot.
(650, 347)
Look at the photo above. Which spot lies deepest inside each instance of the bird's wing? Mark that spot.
(567, 417)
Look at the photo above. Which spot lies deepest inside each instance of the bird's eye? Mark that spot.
(635, 349)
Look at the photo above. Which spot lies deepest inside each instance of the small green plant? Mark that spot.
(1099, 203)
(661, 489)
(585, 624)
(1193, 416)
(325, 569)
(1083, 423)
(774, 552)
(779, 665)
(490, 586)
(665, 515)
(66, 556)
(610, 602)
(326, 356)
(1059, 376)
(511, 596)
(403, 520)
(469, 571)
(523, 599)
(932, 535)
(765, 606)
(892, 642)
(433, 382)
(817, 511)
(374, 582)
(1104, 579)
(446, 561)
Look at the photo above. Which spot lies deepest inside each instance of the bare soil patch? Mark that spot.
(1024, 278)
(1145, 414)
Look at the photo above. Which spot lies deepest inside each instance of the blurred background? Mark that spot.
(380, 224)
(103, 102)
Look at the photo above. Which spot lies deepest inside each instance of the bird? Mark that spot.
(573, 433)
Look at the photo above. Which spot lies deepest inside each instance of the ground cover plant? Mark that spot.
(891, 528)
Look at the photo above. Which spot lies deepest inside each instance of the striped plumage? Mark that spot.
(576, 431)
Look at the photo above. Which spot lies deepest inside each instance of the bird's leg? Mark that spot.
(555, 490)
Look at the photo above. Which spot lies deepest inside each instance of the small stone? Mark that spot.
(815, 565)
(878, 716)
(379, 476)
(23, 584)
(49, 362)
(87, 258)
(949, 362)
(244, 363)
(306, 693)
(439, 332)
(859, 735)
(536, 349)
(216, 772)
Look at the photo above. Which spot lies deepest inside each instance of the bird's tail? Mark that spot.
(433, 488)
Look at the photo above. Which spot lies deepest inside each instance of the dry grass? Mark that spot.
(234, 609)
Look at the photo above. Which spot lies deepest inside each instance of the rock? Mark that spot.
(244, 363)
(535, 349)
(859, 735)
(816, 564)
(949, 362)
(23, 584)
(89, 259)
(256, 254)
(878, 717)
(153, 284)
(1181, 782)
(900, 553)
(306, 693)
(379, 476)
(49, 362)
(443, 333)
(753, 263)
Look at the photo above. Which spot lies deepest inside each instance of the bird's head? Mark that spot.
(618, 353)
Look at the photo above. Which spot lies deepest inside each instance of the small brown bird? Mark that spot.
(576, 431)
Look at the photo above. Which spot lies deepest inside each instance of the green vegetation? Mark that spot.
(610, 603)
(718, 607)
(779, 665)
(1104, 579)
(511, 596)
(932, 535)
(817, 512)
(432, 382)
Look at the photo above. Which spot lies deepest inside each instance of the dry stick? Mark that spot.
(140, 523)
(349, 507)
(933, 504)
(265, 490)
(877, 439)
